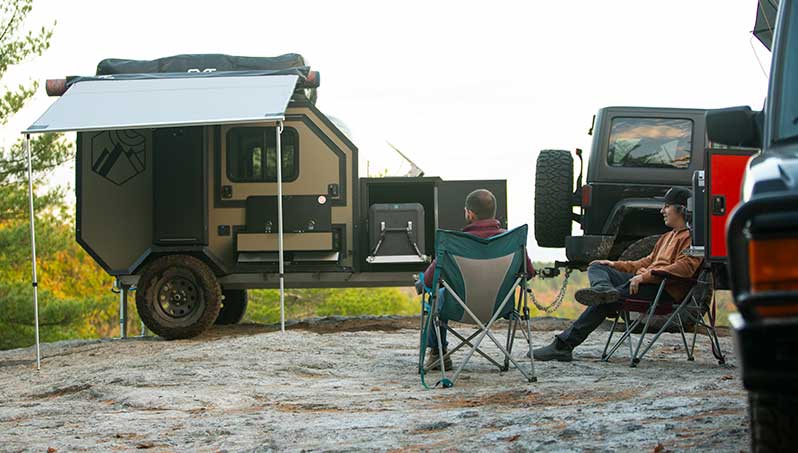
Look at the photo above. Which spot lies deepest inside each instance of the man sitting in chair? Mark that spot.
(613, 280)
(480, 215)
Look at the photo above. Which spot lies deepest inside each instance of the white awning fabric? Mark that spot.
(150, 103)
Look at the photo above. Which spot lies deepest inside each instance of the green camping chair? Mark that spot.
(475, 282)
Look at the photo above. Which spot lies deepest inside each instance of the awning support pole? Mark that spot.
(281, 264)
(123, 291)
(33, 252)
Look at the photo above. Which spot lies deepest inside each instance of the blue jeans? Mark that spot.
(605, 277)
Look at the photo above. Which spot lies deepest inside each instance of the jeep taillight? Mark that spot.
(773, 266)
(587, 195)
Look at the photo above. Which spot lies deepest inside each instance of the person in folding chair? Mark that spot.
(480, 216)
(614, 280)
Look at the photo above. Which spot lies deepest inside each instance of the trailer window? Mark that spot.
(252, 154)
(650, 142)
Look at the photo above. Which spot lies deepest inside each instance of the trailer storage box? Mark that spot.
(396, 233)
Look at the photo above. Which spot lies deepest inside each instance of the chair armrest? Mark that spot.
(669, 276)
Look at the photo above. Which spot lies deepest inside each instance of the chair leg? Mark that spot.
(690, 357)
(626, 337)
(440, 349)
(629, 337)
(467, 342)
(421, 346)
(528, 319)
(513, 321)
(695, 335)
(715, 342)
(604, 357)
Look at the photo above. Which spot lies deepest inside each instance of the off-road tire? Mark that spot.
(774, 422)
(234, 306)
(554, 181)
(639, 248)
(178, 296)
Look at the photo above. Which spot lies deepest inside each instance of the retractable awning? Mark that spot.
(153, 103)
(132, 104)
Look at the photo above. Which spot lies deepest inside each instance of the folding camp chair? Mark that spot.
(475, 282)
(693, 308)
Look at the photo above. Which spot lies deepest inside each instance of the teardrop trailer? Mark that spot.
(179, 194)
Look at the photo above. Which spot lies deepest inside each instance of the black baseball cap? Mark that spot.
(676, 196)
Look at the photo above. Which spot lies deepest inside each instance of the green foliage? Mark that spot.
(48, 151)
(66, 273)
(264, 305)
(74, 296)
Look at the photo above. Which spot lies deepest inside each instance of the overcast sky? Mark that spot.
(468, 90)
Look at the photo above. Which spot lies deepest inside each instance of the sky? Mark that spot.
(467, 90)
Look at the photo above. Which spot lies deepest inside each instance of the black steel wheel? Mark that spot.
(178, 296)
(234, 306)
(554, 182)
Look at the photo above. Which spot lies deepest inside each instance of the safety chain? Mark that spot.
(557, 300)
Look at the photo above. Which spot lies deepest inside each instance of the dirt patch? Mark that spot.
(337, 384)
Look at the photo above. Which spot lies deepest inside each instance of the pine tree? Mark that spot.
(59, 314)
(49, 150)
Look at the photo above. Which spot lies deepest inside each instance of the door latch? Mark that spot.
(718, 204)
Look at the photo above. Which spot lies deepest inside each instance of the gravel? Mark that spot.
(351, 384)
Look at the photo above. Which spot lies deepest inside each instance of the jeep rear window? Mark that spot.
(650, 142)
(252, 154)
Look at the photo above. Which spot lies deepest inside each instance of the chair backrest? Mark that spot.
(481, 271)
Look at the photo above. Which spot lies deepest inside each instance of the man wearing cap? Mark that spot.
(612, 280)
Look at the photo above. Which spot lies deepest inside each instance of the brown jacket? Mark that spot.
(667, 256)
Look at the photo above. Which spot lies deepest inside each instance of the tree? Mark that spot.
(49, 150)
(60, 313)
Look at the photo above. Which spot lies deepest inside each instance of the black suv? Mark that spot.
(762, 236)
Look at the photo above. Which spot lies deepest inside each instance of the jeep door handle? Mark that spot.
(718, 204)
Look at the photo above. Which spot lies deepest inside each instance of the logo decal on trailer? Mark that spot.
(118, 156)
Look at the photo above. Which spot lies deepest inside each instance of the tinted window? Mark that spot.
(252, 154)
(650, 142)
(787, 77)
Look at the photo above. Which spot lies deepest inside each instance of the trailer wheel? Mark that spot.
(774, 422)
(554, 180)
(234, 306)
(178, 296)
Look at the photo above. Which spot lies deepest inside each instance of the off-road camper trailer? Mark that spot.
(177, 187)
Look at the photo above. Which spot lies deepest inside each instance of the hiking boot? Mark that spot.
(433, 357)
(557, 350)
(596, 296)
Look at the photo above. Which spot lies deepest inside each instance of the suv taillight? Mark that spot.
(587, 195)
(772, 267)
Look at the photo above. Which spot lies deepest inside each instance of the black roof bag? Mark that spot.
(200, 63)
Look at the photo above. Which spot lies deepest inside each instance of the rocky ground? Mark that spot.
(341, 385)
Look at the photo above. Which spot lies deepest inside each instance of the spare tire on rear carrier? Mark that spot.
(554, 182)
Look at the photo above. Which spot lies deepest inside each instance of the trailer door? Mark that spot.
(180, 193)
